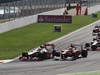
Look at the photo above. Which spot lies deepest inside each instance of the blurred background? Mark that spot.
(12, 9)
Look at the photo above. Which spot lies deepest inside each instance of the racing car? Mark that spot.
(72, 51)
(42, 52)
(97, 36)
(95, 45)
(96, 30)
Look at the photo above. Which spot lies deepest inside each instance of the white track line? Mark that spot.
(78, 72)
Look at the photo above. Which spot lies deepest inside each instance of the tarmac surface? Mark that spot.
(51, 67)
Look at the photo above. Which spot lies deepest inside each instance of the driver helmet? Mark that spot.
(94, 39)
(41, 46)
(72, 46)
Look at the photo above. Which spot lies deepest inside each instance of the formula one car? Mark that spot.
(96, 30)
(97, 36)
(40, 53)
(95, 45)
(72, 51)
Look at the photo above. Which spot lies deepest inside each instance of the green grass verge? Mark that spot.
(85, 73)
(14, 42)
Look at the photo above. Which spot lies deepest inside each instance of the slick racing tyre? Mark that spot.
(93, 48)
(84, 53)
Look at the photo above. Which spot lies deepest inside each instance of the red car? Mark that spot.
(73, 51)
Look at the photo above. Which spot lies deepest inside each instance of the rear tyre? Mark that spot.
(93, 48)
(84, 53)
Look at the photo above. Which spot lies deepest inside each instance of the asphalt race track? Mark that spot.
(51, 67)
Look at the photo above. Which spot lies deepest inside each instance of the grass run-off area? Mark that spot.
(16, 41)
(85, 73)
